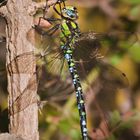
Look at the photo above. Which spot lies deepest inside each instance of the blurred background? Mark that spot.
(111, 85)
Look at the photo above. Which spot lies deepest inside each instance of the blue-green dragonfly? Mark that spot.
(69, 31)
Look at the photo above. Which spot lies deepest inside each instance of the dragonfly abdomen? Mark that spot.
(78, 89)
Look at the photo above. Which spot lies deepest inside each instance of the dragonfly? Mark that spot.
(69, 31)
(82, 50)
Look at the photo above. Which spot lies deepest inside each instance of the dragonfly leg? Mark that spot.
(54, 7)
(49, 32)
(52, 30)
(52, 20)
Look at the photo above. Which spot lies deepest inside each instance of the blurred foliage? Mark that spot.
(112, 114)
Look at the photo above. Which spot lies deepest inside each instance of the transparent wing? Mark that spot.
(24, 64)
(94, 50)
(54, 81)
(109, 42)
(56, 69)
(23, 60)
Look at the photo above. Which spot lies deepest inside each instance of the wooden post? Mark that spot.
(21, 67)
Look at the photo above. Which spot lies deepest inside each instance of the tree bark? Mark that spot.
(7, 136)
(21, 67)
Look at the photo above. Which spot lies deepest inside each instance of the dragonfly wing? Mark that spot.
(113, 75)
(25, 99)
(22, 63)
(108, 74)
(55, 82)
(53, 88)
(114, 41)
(89, 53)
(50, 83)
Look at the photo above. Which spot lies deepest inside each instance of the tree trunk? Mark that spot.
(21, 67)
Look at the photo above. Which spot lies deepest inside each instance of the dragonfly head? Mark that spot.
(70, 12)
